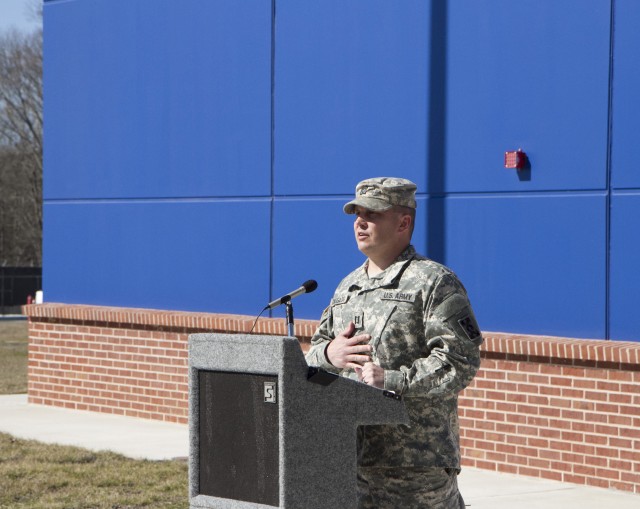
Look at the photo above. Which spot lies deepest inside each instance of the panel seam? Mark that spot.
(607, 303)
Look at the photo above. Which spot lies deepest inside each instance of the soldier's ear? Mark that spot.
(405, 223)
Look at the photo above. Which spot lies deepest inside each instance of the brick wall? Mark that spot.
(123, 361)
(556, 408)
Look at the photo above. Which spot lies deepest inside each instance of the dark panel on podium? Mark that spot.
(239, 429)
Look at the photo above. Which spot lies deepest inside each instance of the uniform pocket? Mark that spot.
(339, 311)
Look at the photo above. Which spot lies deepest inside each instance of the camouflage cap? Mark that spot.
(382, 193)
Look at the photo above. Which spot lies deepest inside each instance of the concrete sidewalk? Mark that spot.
(141, 438)
(134, 438)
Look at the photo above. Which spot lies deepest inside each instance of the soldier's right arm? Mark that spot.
(316, 356)
(347, 351)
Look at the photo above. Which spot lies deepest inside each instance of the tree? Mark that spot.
(21, 149)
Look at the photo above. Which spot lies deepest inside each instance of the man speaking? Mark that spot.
(403, 323)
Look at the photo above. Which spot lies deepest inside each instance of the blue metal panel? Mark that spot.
(350, 93)
(167, 99)
(314, 239)
(625, 165)
(157, 98)
(530, 74)
(187, 255)
(532, 264)
(625, 269)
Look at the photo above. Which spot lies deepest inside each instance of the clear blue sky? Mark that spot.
(17, 14)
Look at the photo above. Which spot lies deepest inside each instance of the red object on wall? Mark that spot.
(515, 159)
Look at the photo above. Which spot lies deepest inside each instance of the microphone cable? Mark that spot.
(256, 320)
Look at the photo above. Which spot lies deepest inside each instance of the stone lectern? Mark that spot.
(268, 431)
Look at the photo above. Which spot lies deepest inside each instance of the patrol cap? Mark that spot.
(382, 193)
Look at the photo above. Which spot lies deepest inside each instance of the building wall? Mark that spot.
(555, 408)
(197, 154)
(122, 360)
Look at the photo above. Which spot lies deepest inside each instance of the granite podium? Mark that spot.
(268, 431)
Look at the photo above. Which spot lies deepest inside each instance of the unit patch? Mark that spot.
(469, 327)
(399, 296)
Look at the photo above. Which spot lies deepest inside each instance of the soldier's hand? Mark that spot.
(347, 351)
(371, 374)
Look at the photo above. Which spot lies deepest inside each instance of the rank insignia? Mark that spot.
(358, 320)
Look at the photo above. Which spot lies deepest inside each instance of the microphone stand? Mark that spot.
(289, 316)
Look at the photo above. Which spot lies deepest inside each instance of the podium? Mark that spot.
(268, 431)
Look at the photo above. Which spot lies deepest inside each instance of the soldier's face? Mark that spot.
(377, 233)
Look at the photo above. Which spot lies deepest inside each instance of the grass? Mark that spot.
(38, 476)
(13, 356)
(34, 475)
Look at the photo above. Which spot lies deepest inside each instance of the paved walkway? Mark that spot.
(141, 438)
(135, 438)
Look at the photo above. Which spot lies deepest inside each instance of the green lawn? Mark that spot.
(40, 476)
(13, 356)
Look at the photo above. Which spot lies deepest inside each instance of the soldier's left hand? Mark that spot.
(371, 374)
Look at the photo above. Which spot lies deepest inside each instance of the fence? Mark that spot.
(16, 285)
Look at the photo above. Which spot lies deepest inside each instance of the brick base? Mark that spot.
(562, 409)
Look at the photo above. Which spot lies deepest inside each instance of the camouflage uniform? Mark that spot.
(408, 488)
(425, 336)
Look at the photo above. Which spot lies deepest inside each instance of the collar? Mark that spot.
(387, 277)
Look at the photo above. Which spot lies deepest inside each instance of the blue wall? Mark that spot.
(197, 154)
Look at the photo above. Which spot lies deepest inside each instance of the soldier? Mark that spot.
(403, 323)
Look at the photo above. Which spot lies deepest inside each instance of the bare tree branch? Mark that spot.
(21, 148)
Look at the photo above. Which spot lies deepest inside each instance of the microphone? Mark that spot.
(307, 287)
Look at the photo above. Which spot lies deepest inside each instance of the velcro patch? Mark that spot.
(358, 320)
(399, 296)
(336, 301)
(469, 327)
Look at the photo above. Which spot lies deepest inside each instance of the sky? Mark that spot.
(16, 14)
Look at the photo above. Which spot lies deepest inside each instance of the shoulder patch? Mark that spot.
(469, 327)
